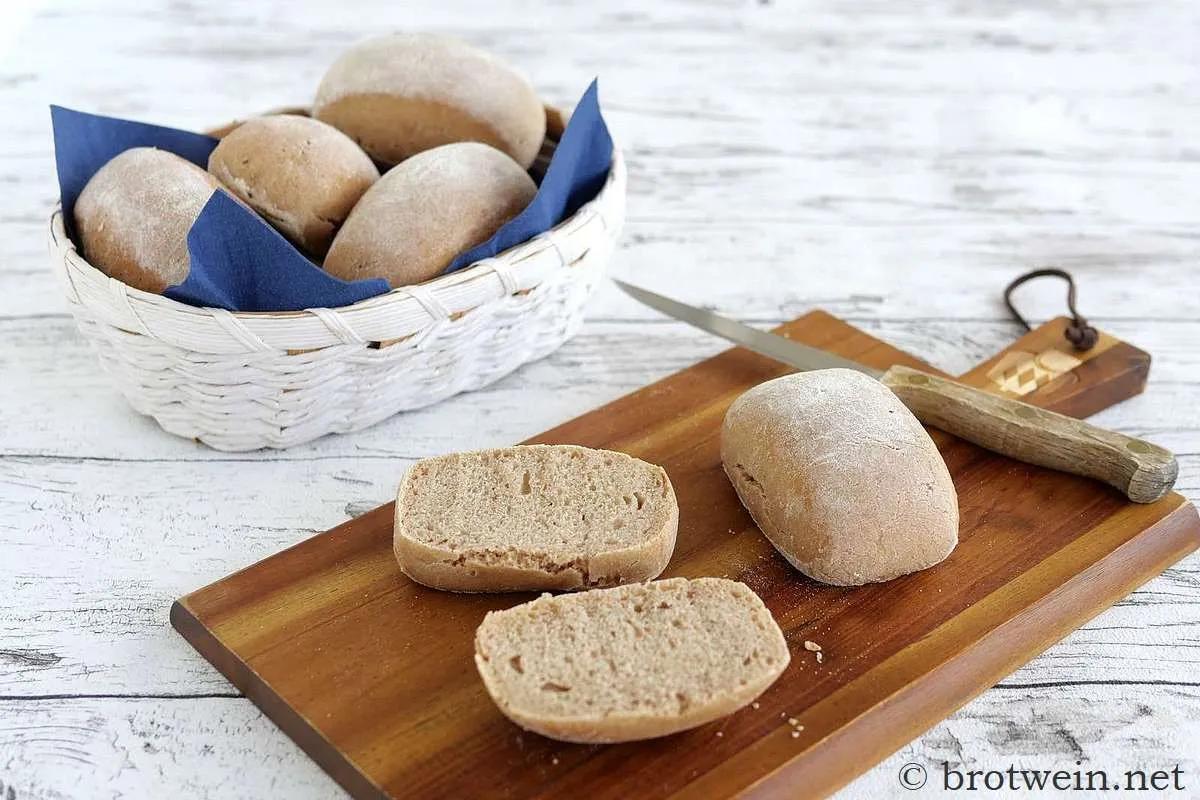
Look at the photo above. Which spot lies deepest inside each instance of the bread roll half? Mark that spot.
(534, 517)
(634, 662)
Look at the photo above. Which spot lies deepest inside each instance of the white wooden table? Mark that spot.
(894, 165)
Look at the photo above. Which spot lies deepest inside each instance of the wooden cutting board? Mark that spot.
(373, 676)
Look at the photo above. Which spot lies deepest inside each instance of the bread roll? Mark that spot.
(411, 224)
(535, 517)
(132, 218)
(400, 94)
(634, 662)
(302, 175)
(840, 476)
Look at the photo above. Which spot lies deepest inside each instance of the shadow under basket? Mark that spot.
(244, 381)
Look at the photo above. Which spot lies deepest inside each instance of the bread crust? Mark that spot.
(841, 477)
(411, 224)
(393, 128)
(133, 216)
(489, 570)
(617, 728)
(400, 94)
(303, 175)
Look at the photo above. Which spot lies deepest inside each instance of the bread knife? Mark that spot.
(1143, 471)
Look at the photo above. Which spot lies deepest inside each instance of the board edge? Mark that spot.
(306, 736)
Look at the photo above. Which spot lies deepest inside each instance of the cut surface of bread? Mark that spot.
(632, 662)
(534, 517)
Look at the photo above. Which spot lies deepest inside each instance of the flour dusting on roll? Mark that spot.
(840, 476)
(411, 224)
(133, 217)
(302, 175)
(401, 94)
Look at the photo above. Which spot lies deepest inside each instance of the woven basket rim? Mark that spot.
(58, 233)
(384, 317)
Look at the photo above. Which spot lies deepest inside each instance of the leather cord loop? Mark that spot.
(1079, 333)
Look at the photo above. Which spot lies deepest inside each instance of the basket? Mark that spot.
(244, 381)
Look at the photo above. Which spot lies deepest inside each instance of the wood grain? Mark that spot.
(1141, 470)
(371, 674)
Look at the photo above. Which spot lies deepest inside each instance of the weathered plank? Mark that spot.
(55, 749)
(895, 165)
(222, 747)
(57, 401)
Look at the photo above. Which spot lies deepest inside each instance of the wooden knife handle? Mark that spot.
(1144, 472)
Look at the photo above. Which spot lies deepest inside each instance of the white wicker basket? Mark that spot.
(243, 381)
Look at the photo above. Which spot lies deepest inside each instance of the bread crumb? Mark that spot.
(795, 734)
(820, 657)
(812, 647)
(793, 721)
(755, 704)
(507, 634)
(554, 760)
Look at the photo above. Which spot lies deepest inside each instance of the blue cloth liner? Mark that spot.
(83, 143)
(240, 263)
(575, 175)
(243, 264)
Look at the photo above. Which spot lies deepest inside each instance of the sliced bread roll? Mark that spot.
(534, 517)
(634, 662)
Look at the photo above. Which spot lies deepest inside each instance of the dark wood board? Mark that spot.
(373, 675)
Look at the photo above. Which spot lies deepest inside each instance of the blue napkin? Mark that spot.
(83, 143)
(240, 263)
(576, 173)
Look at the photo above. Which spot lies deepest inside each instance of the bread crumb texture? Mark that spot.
(632, 662)
(534, 517)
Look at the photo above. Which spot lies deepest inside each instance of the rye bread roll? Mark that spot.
(534, 517)
(132, 218)
(633, 662)
(400, 94)
(302, 175)
(840, 476)
(411, 224)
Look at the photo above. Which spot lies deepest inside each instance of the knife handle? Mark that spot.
(1144, 472)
